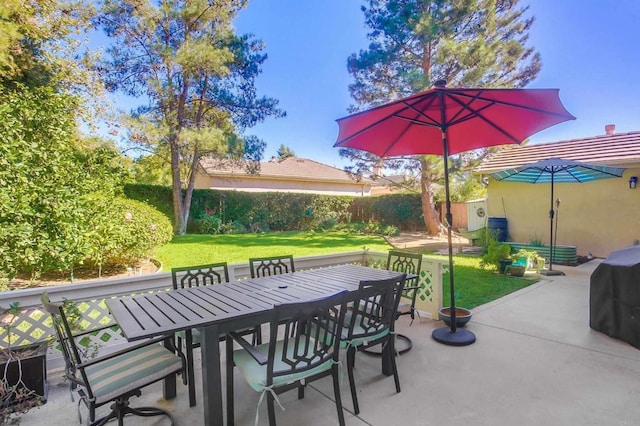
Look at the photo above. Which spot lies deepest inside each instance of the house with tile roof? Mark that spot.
(597, 217)
(292, 174)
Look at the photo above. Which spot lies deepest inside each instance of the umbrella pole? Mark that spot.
(451, 336)
(551, 244)
(551, 214)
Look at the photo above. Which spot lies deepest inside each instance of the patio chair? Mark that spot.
(196, 276)
(116, 377)
(409, 263)
(310, 353)
(370, 322)
(275, 265)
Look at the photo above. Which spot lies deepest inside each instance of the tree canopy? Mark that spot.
(414, 43)
(285, 152)
(198, 78)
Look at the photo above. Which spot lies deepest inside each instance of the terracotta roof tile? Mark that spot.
(292, 168)
(616, 149)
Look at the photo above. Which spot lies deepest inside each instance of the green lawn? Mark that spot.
(474, 286)
(188, 250)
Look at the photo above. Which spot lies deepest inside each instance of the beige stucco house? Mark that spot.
(289, 175)
(597, 217)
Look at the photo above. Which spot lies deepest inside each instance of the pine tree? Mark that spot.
(198, 77)
(285, 152)
(468, 43)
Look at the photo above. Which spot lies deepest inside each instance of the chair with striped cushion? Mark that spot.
(371, 322)
(307, 350)
(197, 276)
(116, 377)
(409, 263)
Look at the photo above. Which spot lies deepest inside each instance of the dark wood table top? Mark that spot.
(153, 314)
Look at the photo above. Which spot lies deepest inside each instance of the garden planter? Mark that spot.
(503, 263)
(517, 271)
(462, 316)
(32, 359)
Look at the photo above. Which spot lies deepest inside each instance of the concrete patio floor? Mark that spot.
(535, 362)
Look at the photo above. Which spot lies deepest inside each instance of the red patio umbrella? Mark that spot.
(446, 121)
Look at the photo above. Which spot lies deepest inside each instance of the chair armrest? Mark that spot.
(251, 350)
(123, 351)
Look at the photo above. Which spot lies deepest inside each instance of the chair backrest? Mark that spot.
(314, 328)
(400, 261)
(72, 358)
(266, 266)
(195, 276)
(374, 308)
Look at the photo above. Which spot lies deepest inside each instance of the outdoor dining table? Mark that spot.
(221, 308)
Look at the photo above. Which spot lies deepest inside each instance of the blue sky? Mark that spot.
(588, 47)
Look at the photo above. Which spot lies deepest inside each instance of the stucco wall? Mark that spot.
(596, 217)
(267, 185)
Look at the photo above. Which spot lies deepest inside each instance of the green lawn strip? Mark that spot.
(190, 250)
(475, 286)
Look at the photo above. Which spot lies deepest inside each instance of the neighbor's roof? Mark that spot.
(292, 168)
(621, 149)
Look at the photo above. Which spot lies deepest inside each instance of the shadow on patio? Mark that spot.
(536, 362)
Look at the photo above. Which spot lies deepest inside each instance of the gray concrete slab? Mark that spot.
(536, 361)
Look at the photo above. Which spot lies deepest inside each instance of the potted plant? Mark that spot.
(497, 255)
(23, 371)
(522, 260)
(527, 258)
(462, 316)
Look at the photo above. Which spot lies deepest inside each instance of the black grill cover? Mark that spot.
(614, 297)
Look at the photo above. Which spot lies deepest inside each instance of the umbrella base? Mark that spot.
(551, 273)
(461, 337)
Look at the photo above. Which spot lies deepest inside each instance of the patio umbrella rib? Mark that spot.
(478, 114)
(393, 143)
(516, 105)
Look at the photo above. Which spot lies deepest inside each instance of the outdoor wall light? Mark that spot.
(633, 182)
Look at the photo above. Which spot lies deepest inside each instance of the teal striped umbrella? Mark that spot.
(557, 170)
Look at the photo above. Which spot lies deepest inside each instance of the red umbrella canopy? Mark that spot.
(469, 118)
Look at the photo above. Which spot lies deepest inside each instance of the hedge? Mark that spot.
(285, 211)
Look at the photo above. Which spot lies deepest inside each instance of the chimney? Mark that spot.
(610, 129)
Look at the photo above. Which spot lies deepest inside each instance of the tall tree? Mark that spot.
(416, 42)
(44, 43)
(198, 78)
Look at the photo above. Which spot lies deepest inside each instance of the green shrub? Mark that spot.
(124, 231)
(531, 257)
(495, 253)
(286, 211)
(41, 182)
(401, 210)
(210, 222)
(159, 197)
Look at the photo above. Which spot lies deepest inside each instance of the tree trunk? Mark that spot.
(179, 222)
(431, 217)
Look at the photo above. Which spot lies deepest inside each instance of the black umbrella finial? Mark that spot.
(440, 83)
